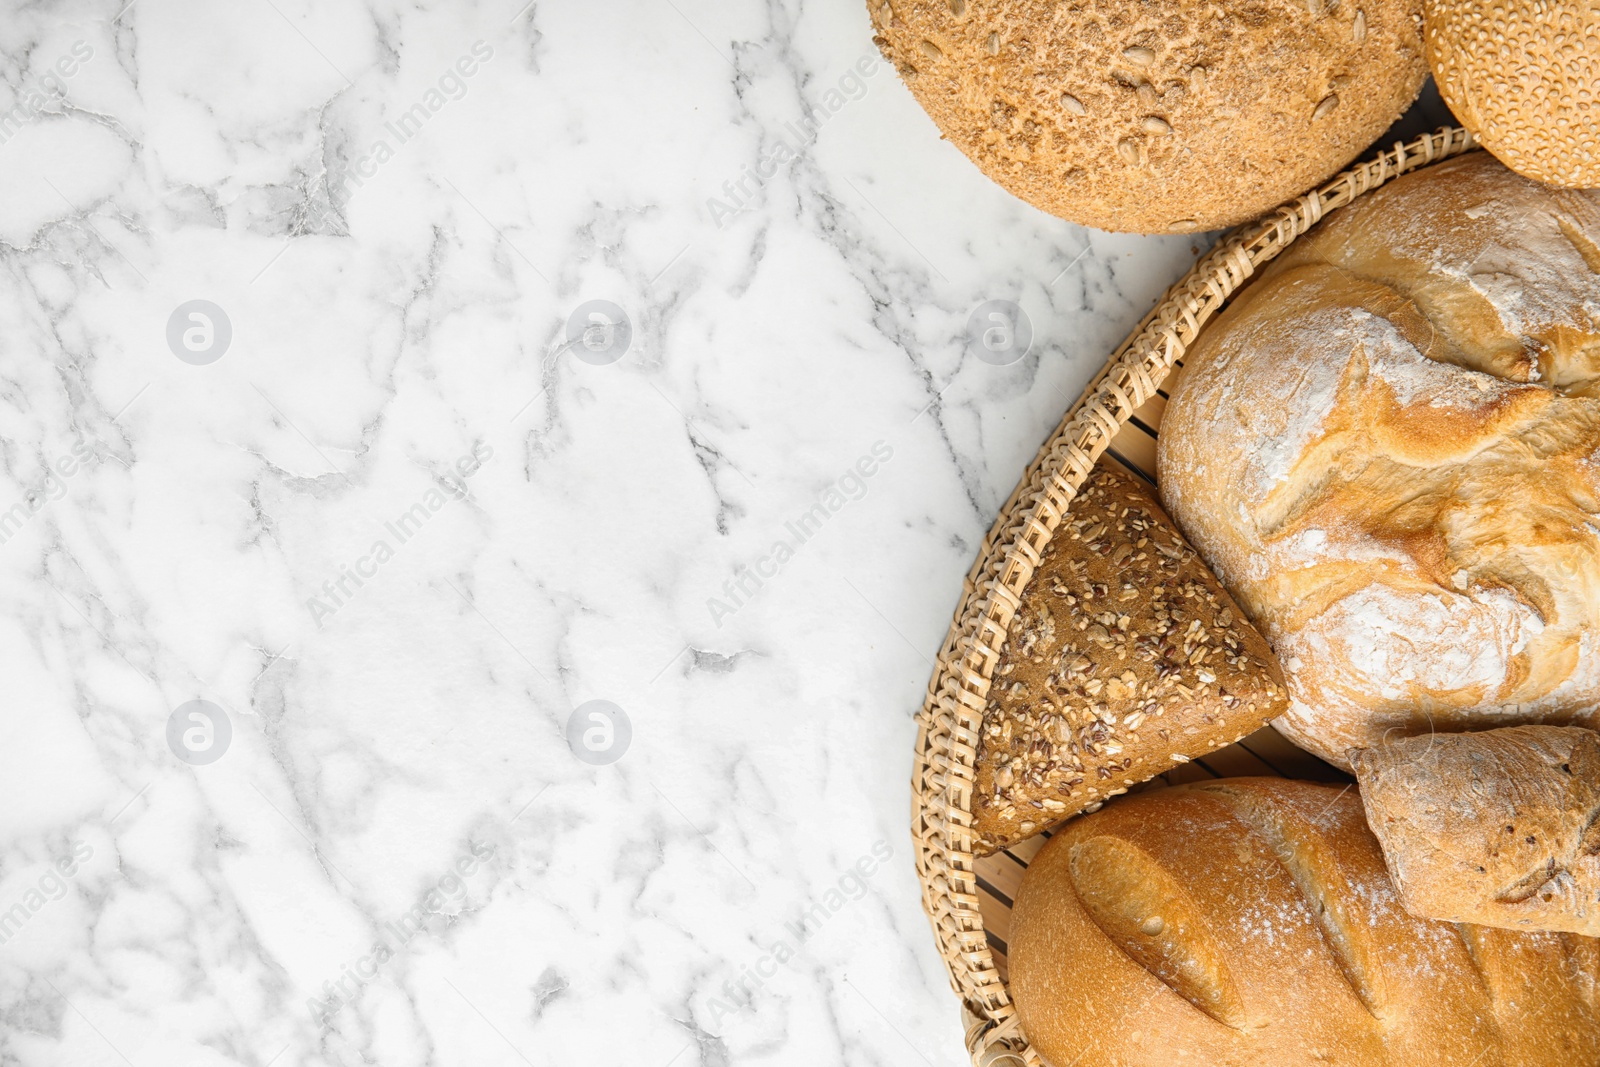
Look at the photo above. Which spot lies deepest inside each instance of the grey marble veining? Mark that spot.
(415, 515)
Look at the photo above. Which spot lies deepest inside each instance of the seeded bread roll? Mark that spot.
(1250, 922)
(1500, 827)
(1126, 657)
(1388, 449)
(1163, 116)
(1524, 77)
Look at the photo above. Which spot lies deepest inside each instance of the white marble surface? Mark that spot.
(382, 733)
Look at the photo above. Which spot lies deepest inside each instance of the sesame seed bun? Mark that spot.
(1524, 77)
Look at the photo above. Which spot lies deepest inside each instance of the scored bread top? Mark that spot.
(1125, 658)
(1251, 922)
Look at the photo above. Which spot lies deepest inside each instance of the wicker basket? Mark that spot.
(969, 899)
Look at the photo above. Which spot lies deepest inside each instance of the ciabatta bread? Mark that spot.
(1499, 827)
(1125, 658)
(1250, 922)
(1388, 449)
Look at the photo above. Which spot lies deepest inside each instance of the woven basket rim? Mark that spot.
(947, 726)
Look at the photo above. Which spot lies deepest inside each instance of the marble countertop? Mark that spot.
(481, 490)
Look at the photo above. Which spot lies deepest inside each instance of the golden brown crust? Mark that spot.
(1499, 828)
(1125, 658)
(1388, 449)
(1251, 922)
(1157, 117)
(1524, 77)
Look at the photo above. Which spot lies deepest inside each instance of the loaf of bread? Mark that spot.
(1161, 116)
(1125, 658)
(1499, 828)
(1524, 77)
(1388, 449)
(1250, 922)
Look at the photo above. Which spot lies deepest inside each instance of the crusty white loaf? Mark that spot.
(1497, 827)
(1388, 449)
(1251, 923)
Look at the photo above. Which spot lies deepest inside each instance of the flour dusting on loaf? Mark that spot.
(1386, 449)
(1443, 642)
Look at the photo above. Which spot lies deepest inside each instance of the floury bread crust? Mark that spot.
(1250, 922)
(1388, 449)
(1495, 827)
(1161, 116)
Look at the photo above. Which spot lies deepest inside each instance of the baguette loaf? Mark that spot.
(1250, 923)
(1125, 658)
(1500, 828)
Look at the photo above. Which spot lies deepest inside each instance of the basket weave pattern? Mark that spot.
(952, 714)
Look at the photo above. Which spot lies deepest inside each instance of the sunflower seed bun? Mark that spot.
(1161, 117)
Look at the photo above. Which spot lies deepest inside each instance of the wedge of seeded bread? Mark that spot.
(1125, 658)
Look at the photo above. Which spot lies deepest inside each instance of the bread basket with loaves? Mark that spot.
(966, 894)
